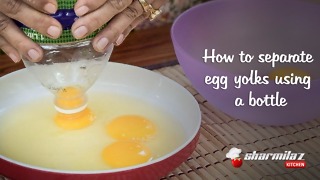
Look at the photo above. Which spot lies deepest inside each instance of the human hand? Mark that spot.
(32, 14)
(122, 16)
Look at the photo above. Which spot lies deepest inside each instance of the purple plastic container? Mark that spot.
(255, 27)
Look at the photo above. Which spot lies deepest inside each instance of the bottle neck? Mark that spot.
(70, 100)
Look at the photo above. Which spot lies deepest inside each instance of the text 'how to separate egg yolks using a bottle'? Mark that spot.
(131, 127)
(72, 112)
(126, 153)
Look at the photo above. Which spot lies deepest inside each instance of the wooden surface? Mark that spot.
(146, 48)
(220, 132)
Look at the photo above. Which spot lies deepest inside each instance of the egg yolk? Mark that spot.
(125, 153)
(70, 98)
(286, 71)
(131, 127)
(74, 121)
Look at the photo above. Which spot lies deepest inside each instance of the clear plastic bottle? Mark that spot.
(68, 68)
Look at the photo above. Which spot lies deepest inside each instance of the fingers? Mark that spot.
(13, 6)
(114, 30)
(13, 41)
(83, 7)
(32, 13)
(18, 10)
(9, 50)
(46, 6)
(122, 16)
(156, 4)
(94, 20)
(133, 25)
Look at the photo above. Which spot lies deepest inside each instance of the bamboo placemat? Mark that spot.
(220, 132)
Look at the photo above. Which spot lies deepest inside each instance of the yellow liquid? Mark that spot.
(28, 133)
